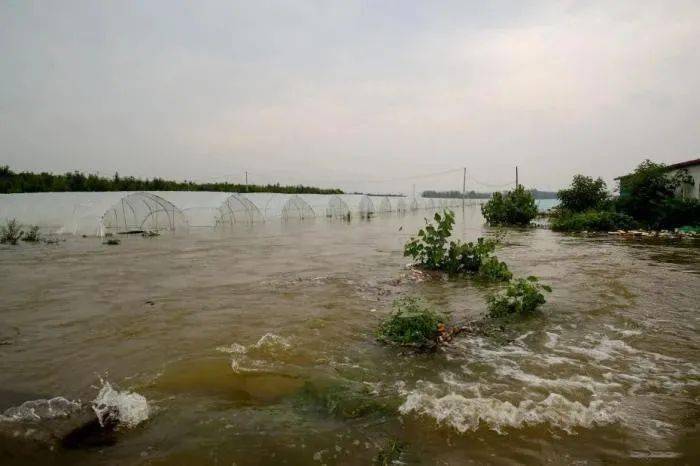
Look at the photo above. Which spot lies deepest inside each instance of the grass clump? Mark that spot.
(412, 323)
(521, 297)
(390, 454)
(430, 250)
(11, 233)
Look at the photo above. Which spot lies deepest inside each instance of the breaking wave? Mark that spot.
(463, 414)
(126, 409)
(38, 410)
(260, 356)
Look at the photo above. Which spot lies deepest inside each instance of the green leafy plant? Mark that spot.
(494, 270)
(649, 196)
(429, 247)
(11, 232)
(412, 323)
(32, 236)
(515, 207)
(522, 296)
(430, 250)
(591, 220)
(584, 194)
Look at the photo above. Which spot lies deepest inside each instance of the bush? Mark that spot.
(412, 323)
(32, 235)
(649, 196)
(11, 232)
(584, 194)
(591, 220)
(494, 270)
(516, 207)
(430, 250)
(523, 296)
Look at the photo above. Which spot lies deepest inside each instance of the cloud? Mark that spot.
(347, 92)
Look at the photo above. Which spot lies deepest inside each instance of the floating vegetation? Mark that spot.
(522, 296)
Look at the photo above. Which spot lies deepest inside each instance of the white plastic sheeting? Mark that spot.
(91, 213)
(96, 213)
(280, 206)
(359, 204)
(382, 204)
(142, 211)
(237, 209)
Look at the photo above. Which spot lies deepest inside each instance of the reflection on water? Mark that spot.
(255, 346)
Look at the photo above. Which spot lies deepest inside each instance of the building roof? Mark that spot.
(675, 166)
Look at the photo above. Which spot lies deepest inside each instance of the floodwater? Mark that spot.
(256, 347)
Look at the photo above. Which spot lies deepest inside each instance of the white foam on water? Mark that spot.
(42, 409)
(272, 343)
(253, 357)
(624, 332)
(552, 339)
(128, 409)
(465, 414)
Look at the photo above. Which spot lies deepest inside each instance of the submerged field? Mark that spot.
(256, 346)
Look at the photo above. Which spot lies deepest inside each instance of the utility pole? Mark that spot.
(516, 177)
(464, 185)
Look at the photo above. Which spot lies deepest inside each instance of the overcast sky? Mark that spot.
(361, 95)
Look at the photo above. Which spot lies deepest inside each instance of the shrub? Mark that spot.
(32, 235)
(412, 323)
(648, 196)
(591, 220)
(523, 296)
(584, 194)
(516, 207)
(494, 270)
(11, 232)
(428, 249)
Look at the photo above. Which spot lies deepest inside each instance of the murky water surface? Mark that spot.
(256, 347)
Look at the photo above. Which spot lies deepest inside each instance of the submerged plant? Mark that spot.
(32, 236)
(11, 232)
(522, 296)
(429, 247)
(390, 454)
(430, 250)
(412, 323)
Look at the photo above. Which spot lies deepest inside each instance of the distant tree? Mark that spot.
(515, 207)
(585, 193)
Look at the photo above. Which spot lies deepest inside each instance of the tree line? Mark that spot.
(537, 194)
(28, 182)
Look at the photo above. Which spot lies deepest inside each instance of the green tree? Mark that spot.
(584, 194)
(515, 207)
(649, 196)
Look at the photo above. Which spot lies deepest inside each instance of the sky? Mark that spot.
(373, 96)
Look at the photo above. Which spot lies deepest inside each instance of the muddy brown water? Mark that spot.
(255, 346)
